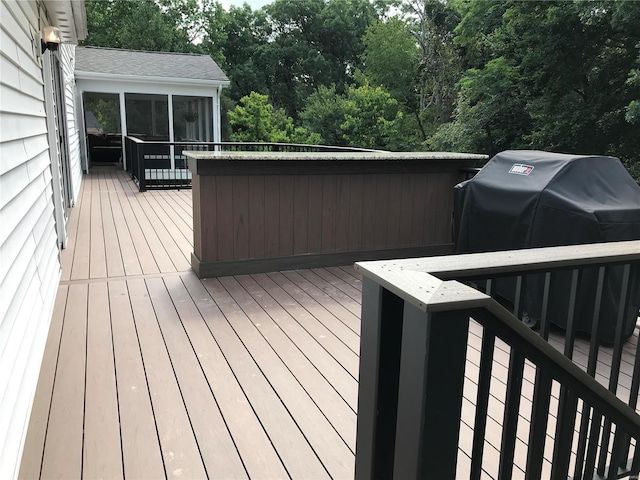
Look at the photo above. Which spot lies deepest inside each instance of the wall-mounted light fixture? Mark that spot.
(50, 38)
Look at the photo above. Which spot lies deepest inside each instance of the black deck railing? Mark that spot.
(159, 164)
(416, 315)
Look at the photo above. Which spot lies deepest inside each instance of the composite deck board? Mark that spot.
(63, 447)
(348, 274)
(141, 454)
(82, 246)
(130, 261)
(334, 289)
(345, 287)
(164, 236)
(345, 314)
(319, 322)
(246, 353)
(158, 249)
(98, 254)
(266, 310)
(323, 327)
(150, 372)
(138, 220)
(102, 454)
(181, 218)
(72, 233)
(211, 337)
(172, 238)
(216, 447)
(280, 369)
(113, 249)
(143, 252)
(180, 451)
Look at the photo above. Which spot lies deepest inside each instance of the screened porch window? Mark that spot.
(147, 116)
(102, 126)
(192, 119)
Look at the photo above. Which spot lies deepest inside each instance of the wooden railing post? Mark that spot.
(142, 184)
(430, 393)
(410, 394)
(129, 156)
(380, 337)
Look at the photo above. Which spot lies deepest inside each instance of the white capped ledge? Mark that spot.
(331, 156)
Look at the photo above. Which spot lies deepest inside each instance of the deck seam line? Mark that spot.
(80, 281)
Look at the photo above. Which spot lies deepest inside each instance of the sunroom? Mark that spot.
(154, 96)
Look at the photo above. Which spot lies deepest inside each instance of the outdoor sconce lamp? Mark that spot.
(50, 38)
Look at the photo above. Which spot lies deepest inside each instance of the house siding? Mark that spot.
(29, 253)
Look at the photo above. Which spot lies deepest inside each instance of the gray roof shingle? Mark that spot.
(148, 64)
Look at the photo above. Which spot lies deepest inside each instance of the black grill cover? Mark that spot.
(525, 199)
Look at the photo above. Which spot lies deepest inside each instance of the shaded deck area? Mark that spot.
(150, 372)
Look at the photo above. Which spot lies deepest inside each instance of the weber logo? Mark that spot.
(520, 169)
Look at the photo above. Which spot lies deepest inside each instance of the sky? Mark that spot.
(254, 4)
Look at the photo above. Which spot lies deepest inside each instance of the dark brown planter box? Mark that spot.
(257, 212)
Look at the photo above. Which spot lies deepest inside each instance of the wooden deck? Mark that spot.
(150, 372)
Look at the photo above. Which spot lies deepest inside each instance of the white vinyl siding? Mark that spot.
(29, 255)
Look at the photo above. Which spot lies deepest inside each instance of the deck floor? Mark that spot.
(150, 372)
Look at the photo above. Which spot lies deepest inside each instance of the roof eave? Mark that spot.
(70, 17)
(80, 18)
(83, 75)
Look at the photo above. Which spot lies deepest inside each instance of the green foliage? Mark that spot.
(415, 60)
(370, 115)
(633, 109)
(290, 48)
(139, 25)
(633, 112)
(556, 75)
(324, 113)
(106, 111)
(431, 22)
(245, 36)
(213, 19)
(489, 115)
(385, 66)
(255, 120)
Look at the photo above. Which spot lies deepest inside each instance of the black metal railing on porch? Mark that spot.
(159, 164)
(417, 315)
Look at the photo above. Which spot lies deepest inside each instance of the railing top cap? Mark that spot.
(423, 290)
(425, 281)
(327, 156)
(493, 263)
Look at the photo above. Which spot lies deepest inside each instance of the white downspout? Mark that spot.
(171, 136)
(216, 113)
(123, 128)
(82, 129)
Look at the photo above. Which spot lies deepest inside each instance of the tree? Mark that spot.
(431, 22)
(490, 115)
(370, 114)
(391, 60)
(573, 92)
(214, 18)
(255, 120)
(324, 114)
(338, 34)
(140, 25)
(290, 48)
(244, 34)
